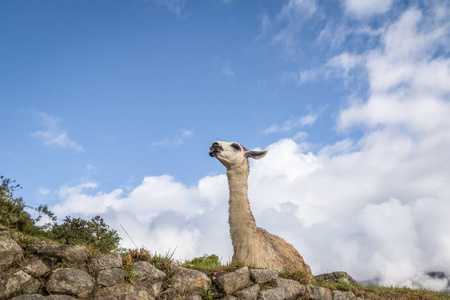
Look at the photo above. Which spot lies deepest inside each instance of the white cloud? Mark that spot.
(174, 6)
(42, 191)
(407, 81)
(223, 67)
(367, 8)
(346, 62)
(182, 137)
(344, 66)
(295, 13)
(306, 120)
(54, 135)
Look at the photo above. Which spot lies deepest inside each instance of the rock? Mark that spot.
(147, 273)
(317, 293)
(340, 277)
(149, 276)
(40, 297)
(230, 298)
(10, 253)
(292, 289)
(233, 281)
(193, 297)
(75, 255)
(261, 276)
(111, 276)
(29, 297)
(35, 267)
(192, 282)
(272, 294)
(168, 294)
(70, 281)
(341, 295)
(250, 293)
(123, 291)
(104, 261)
(18, 283)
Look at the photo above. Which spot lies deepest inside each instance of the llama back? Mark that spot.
(281, 255)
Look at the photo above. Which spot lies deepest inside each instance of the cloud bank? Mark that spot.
(374, 206)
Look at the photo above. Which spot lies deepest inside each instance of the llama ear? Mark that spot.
(255, 154)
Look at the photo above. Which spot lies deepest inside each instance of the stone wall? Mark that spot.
(68, 272)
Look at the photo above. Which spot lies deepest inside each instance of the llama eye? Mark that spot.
(236, 146)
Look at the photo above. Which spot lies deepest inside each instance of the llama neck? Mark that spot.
(242, 222)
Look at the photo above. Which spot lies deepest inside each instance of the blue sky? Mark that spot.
(109, 107)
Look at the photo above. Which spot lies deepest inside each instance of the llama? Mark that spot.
(253, 246)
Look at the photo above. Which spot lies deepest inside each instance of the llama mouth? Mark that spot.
(215, 149)
(213, 153)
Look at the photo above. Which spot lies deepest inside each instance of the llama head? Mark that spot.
(231, 154)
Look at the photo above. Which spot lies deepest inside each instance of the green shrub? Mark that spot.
(94, 233)
(13, 214)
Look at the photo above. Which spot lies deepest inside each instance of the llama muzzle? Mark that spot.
(215, 149)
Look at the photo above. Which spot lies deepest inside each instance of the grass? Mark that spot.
(300, 276)
(210, 265)
(380, 292)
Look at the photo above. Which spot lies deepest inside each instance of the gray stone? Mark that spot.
(10, 253)
(155, 288)
(230, 298)
(36, 268)
(40, 297)
(292, 288)
(123, 291)
(341, 295)
(262, 276)
(75, 255)
(147, 273)
(339, 277)
(170, 293)
(70, 281)
(317, 293)
(272, 294)
(149, 276)
(250, 293)
(29, 297)
(111, 276)
(104, 261)
(233, 281)
(18, 283)
(191, 282)
(193, 297)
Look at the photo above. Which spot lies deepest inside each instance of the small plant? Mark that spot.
(130, 276)
(63, 264)
(206, 261)
(165, 263)
(127, 260)
(298, 275)
(209, 295)
(209, 264)
(140, 255)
